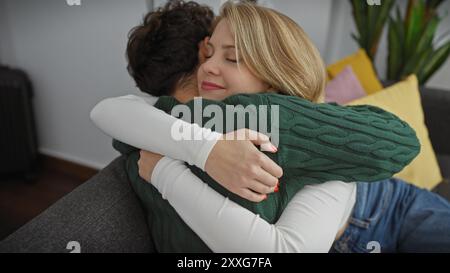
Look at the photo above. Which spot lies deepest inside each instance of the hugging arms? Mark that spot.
(310, 222)
(296, 222)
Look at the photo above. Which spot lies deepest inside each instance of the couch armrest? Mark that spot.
(436, 106)
(103, 215)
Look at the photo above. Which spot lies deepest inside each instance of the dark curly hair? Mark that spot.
(163, 50)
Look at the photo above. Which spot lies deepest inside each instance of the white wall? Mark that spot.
(75, 57)
(305, 12)
(312, 15)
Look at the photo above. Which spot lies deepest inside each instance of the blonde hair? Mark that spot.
(275, 49)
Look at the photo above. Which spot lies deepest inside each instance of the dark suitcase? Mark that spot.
(18, 141)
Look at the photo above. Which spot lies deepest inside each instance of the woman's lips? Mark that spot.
(209, 86)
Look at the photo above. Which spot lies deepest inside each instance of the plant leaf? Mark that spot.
(436, 60)
(426, 39)
(434, 4)
(370, 22)
(381, 19)
(359, 12)
(413, 26)
(416, 62)
(355, 37)
(395, 50)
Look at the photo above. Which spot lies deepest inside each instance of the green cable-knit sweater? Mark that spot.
(317, 143)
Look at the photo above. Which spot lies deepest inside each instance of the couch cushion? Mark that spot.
(403, 100)
(363, 68)
(344, 88)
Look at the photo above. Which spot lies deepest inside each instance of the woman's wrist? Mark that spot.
(165, 173)
(146, 163)
(209, 140)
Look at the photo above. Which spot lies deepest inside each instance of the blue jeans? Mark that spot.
(393, 216)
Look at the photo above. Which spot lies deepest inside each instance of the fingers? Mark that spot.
(261, 188)
(268, 147)
(260, 139)
(263, 177)
(254, 136)
(247, 134)
(270, 166)
(252, 196)
(257, 138)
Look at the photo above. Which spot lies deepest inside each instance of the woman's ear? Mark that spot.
(270, 89)
(203, 50)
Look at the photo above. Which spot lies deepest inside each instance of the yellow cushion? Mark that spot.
(403, 100)
(362, 66)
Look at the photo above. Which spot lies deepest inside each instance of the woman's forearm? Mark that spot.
(322, 142)
(308, 224)
(135, 121)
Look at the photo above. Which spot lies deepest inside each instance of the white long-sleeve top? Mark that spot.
(309, 223)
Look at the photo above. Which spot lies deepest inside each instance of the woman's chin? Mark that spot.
(213, 95)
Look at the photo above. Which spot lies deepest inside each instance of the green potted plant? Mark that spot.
(413, 47)
(370, 21)
(412, 42)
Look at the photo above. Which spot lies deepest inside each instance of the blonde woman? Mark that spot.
(318, 214)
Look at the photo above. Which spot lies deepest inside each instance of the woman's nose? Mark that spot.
(210, 66)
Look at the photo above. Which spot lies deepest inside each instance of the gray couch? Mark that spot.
(104, 214)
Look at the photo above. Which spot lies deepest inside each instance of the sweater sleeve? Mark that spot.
(348, 143)
(309, 223)
(134, 120)
(319, 142)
